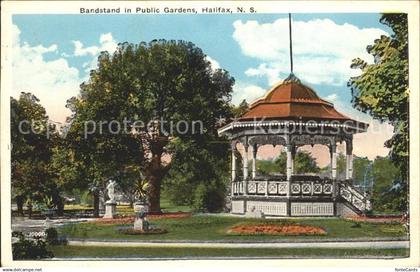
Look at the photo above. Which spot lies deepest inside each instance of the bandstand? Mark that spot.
(292, 115)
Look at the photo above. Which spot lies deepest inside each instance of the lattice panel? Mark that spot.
(313, 208)
(238, 206)
(268, 208)
(317, 188)
(327, 188)
(252, 187)
(306, 189)
(295, 188)
(272, 188)
(261, 188)
(283, 188)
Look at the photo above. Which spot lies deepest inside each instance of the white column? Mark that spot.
(289, 161)
(234, 188)
(245, 161)
(350, 167)
(293, 159)
(254, 160)
(333, 161)
(349, 160)
(233, 162)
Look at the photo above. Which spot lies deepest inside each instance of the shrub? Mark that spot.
(25, 249)
(53, 238)
(208, 198)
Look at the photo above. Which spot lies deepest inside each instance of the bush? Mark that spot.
(25, 249)
(208, 198)
(53, 238)
(198, 176)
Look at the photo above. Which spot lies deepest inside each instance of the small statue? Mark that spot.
(111, 191)
(141, 222)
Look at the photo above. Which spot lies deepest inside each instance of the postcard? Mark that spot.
(285, 133)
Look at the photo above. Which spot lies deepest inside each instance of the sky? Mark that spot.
(53, 54)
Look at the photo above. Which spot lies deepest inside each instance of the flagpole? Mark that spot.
(290, 43)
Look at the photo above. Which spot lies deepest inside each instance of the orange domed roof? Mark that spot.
(291, 99)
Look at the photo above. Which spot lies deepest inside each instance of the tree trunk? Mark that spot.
(155, 172)
(30, 210)
(60, 206)
(19, 203)
(154, 194)
(96, 203)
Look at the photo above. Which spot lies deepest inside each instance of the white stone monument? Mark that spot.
(111, 204)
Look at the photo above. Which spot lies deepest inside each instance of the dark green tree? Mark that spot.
(198, 175)
(385, 173)
(33, 139)
(382, 90)
(360, 168)
(162, 84)
(241, 109)
(303, 163)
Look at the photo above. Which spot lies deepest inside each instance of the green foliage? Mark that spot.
(32, 176)
(198, 175)
(85, 198)
(360, 166)
(341, 165)
(241, 109)
(266, 167)
(304, 163)
(385, 194)
(162, 82)
(25, 249)
(141, 188)
(52, 237)
(382, 90)
(208, 197)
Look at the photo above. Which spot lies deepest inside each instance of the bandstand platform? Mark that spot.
(292, 115)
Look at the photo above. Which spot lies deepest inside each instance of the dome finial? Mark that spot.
(291, 78)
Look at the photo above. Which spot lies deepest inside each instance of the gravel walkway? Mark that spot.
(353, 244)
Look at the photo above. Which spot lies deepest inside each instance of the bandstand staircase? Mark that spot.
(354, 199)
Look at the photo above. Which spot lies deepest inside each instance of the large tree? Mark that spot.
(33, 139)
(382, 89)
(167, 85)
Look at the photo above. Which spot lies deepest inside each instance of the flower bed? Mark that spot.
(121, 220)
(379, 219)
(272, 229)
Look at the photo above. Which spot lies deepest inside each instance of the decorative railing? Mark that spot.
(303, 187)
(354, 197)
(311, 188)
(281, 188)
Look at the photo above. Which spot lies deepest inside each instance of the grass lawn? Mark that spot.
(164, 252)
(165, 205)
(215, 227)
